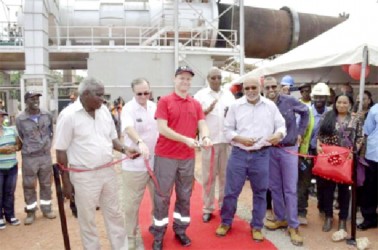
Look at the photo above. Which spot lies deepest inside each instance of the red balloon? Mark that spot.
(355, 71)
(345, 68)
(234, 89)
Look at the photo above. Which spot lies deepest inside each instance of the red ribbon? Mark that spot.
(79, 170)
(153, 177)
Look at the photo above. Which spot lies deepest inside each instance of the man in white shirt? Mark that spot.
(140, 129)
(252, 124)
(215, 102)
(85, 139)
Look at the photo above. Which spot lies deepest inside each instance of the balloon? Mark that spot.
(355, 71)
(345, 68)
(234, 89)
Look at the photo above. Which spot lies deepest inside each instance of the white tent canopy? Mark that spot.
(320, 59)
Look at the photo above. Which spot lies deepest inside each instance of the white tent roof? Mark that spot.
(315, 60)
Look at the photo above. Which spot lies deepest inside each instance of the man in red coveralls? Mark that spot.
(178, 117)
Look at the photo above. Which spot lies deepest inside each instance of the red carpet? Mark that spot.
(202, 234)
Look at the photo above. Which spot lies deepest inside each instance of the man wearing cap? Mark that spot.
(305, 90)
(178, 116)
(35, 129)
(303, 162)
(215, 101)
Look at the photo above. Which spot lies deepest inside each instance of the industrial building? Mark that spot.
(119, 40)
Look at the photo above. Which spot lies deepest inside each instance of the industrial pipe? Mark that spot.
(270, 32)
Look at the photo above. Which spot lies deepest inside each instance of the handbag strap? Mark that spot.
(343, 132)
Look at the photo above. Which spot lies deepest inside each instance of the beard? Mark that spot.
(253, 98)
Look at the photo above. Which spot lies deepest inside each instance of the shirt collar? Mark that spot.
(179, 98)
(243, 100)
(209, 90)
(138, 106)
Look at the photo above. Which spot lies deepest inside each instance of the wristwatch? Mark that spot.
(139, 141)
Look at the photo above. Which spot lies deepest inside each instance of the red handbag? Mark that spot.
(334, 164)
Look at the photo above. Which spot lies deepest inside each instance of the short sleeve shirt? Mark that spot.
(87, 140)
(182, 116)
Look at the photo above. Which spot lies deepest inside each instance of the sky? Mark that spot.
(320, 7)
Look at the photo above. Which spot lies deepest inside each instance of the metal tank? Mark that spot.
(127, 22)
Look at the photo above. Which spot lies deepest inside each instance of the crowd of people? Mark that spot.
(262, 135)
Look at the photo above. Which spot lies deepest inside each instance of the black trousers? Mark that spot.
(369, 193)
(328, 197)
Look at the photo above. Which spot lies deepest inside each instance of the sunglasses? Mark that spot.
(250, 88)
(273, 87)
(216, 77)
(144, 93)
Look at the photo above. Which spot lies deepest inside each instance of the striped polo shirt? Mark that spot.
(7, 161)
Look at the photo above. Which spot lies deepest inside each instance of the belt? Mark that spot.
(285, 145)
(40, 153)
(252, 150)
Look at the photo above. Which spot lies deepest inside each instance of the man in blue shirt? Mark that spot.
(283, 165)
(369, 199)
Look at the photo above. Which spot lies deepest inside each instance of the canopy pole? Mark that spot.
(352, 239)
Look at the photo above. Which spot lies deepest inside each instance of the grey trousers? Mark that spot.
(37, 168)
(169, 173)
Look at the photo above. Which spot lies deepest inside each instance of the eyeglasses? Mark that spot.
(250, 88)
(305, 90)
(144, 93)
(216, 77)
(273, 87)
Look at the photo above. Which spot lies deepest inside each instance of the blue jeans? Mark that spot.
(241, 164)
(8, 180)
(283, 179)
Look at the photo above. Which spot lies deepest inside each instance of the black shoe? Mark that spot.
(366, 225)
(206, 217)
(183, 239)
(157, 245)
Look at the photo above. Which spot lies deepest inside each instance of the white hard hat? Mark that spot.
(320, 89)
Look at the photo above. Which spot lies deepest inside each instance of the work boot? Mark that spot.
(342, 225)
(327, 226)
(257, 235)
(30, 218)
(49, 215)
(222, 230)
(273, 225)
(295, 237)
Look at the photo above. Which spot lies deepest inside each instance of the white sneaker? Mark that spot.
(2, 224)
(302, 220)
(14, 221)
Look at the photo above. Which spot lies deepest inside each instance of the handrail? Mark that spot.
(137, 36)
